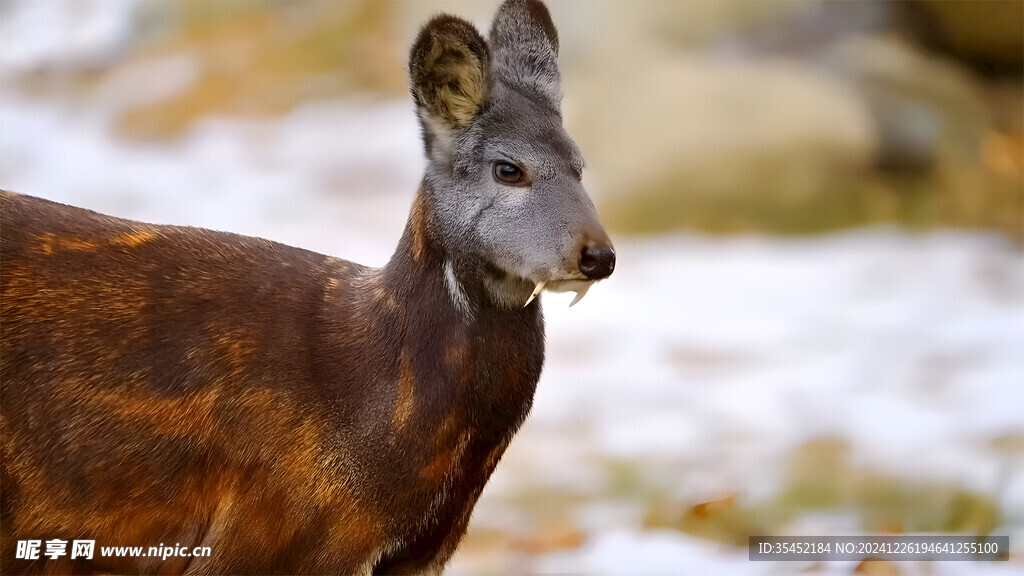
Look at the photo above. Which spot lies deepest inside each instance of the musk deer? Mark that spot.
(298, 413)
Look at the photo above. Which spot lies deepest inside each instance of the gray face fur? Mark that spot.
(482, 104)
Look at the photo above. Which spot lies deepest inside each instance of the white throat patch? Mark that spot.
(459, 298)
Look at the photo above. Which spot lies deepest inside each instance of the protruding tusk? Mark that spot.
(540, 286)
(579, 295)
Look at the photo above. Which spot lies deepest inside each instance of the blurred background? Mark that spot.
(817, 320)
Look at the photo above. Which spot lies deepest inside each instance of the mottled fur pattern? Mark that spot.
(449, 68)
(296, 413)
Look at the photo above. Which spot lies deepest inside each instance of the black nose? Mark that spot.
(597, 261)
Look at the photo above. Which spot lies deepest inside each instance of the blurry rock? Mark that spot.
(919, 103)
(921, 106)
(800, 118)
(660, 127)
(801, 33)
(908, 134)
(988, 35)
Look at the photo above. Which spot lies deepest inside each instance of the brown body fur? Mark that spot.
(292, 411)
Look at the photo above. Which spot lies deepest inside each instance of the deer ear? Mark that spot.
(449, 66)
(525, 45)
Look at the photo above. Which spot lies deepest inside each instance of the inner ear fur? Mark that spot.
(449, 66)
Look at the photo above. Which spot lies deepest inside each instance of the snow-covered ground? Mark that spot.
(701, 363)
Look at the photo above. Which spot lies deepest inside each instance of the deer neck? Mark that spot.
(424, 321)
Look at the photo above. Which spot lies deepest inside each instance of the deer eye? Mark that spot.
(508, 174)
